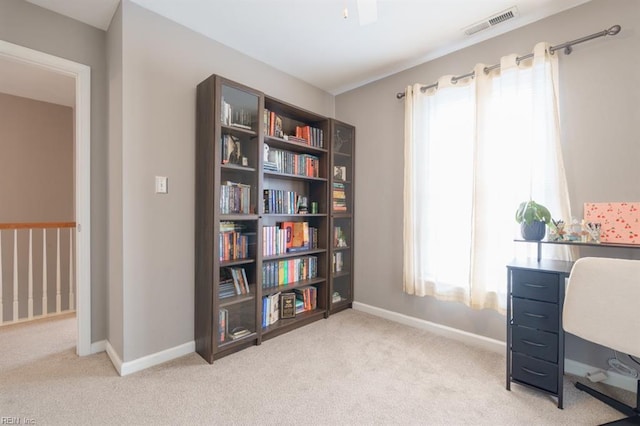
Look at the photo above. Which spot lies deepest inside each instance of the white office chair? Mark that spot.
(602, 305)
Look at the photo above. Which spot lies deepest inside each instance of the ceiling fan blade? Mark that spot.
(367, 11)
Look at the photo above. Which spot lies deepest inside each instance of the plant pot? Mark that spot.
(535, 231)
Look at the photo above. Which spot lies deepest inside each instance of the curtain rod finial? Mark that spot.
(400, 95)
(614, 30)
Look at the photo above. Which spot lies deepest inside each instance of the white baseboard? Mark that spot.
(613, 379)
(439, 329)
(570, 366)
(99, 346)
(129, 367)
(113, 356)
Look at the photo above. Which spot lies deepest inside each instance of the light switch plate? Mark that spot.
(161, 185)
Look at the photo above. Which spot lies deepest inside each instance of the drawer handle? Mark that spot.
(529, 314)
(535, 373)
(534, 285)
(538, 345)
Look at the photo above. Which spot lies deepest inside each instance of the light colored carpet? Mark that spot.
(350, 369)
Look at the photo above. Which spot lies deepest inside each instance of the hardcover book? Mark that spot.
(287, 305)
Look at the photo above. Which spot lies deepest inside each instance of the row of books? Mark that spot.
(282, 161)
(308, 296)
(270, 309)
(337, 263)
(313, 135)
(276, 306)
(339, 197)
(234, 242)
(235, 198)
(232, 116)
(288, 237)
(273, 125)
(235, 283)
(278, 201)
(284, 272)
(223, 325)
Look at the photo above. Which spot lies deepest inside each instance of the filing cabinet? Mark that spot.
(535, 339)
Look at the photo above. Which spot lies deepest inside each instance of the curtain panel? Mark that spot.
(474, 149)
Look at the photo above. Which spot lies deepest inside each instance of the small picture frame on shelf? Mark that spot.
(340, 173)
(287, 305)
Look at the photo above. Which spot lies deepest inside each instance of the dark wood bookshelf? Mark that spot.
(234, 123)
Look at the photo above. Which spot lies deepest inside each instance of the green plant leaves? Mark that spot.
(530, 211)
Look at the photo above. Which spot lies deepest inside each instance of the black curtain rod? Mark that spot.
(566, 46)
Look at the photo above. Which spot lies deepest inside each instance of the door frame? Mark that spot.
(82, 123)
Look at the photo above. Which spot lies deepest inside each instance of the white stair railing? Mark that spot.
(24, 285)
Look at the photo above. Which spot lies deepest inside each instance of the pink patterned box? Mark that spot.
(620, 222)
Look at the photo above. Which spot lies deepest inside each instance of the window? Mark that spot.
(474, 150)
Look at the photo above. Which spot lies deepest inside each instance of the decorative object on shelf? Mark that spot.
(533, 218)
(335, 297)
(339, 140)
(556, 230)
(302, 205)
(576, 232)
(593, 230)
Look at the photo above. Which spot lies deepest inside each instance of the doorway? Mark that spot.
(82, 174)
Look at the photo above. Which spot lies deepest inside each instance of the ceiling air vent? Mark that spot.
(492, 21)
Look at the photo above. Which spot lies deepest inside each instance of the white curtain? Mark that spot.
(475, 149)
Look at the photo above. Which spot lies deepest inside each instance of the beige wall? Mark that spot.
(161, 64)
(600, 112)
(25, 24)
(36, 185)
(36, 165)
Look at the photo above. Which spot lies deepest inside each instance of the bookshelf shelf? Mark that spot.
(238, 168)
(292, 286)
(262, 167)
(284, 325)
(293, 146)
(278, 175)
(238, 341)
(229, 301)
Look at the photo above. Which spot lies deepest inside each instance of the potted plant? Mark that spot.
(533, 219)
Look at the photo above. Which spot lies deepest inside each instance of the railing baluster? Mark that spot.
(58, 296)
(24, 305)
(30, 300)
(1, 303)
(15, 274)
(72, 302)
(45, 303)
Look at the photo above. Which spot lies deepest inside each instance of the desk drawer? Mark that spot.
(541, 374)
(535, 343)
(535, 285)
(540, 315)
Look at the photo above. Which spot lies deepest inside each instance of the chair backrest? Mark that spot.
(602, 303)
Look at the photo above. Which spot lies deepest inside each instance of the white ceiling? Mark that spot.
(311, 40)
